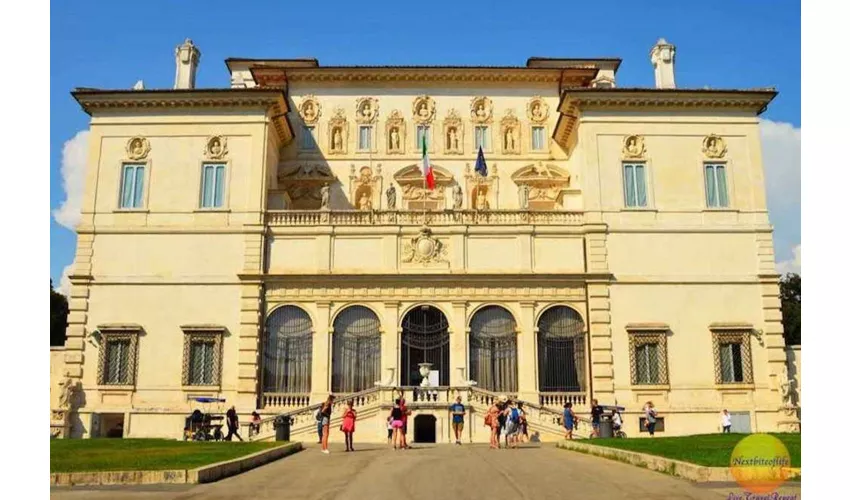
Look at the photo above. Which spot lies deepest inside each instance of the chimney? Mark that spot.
(663, 56)
(187, 56)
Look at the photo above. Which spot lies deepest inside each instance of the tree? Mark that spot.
(58, 317)
(790, 295)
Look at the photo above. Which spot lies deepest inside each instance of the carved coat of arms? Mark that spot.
(424, 249)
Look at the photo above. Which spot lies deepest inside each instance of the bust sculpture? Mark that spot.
(309, 112)
(536, 112)
(366, 111)
(480, 112)
(326, 197)
(391, 197)
(457, 196)
(423, 111)
(138, 147)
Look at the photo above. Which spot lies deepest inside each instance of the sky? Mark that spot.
(723, 44)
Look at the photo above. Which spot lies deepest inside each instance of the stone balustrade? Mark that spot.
(418, 218)
(278, 400)
(559, 399)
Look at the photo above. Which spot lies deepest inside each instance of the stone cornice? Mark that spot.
(271, 100)
(575, 100)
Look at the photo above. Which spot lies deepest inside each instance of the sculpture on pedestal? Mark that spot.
(391, 197)
(457, 196)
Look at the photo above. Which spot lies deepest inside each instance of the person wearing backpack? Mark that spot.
(318, 417)
(512, 424)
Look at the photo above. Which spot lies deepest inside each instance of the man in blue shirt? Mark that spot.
(458, 411)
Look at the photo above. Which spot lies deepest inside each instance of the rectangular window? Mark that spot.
(482, 138)
(648, 355)
(212, 185)
(634, 183)
(538, 138)
(202, 355)
(716, 194)
(117, 356)
(308, 138)
(646, 358)
(422, 131)
(731, 363)
(132, 185)
(364, 141)
(659, 424)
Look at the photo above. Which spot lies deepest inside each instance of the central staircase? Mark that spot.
(544, 422)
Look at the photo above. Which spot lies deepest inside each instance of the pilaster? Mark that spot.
(322, 332)
(390, 344)
(526, 354)
(601, 354)
(458, 334)
(249, 345)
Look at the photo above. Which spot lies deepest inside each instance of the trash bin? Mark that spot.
(606, 428)
(281, 428)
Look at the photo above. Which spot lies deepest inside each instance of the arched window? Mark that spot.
(424, 339)
(492, 350)
(288, 351)
(356, 350)
(560, 351)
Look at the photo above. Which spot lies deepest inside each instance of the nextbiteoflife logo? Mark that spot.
(760, 463)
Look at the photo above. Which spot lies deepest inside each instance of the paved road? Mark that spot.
(534, 472)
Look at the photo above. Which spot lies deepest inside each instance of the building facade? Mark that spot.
(275, 241)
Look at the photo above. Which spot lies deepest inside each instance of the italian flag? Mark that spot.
(426, 167)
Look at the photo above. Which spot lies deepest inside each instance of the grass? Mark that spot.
(712, 450)
(85, 455)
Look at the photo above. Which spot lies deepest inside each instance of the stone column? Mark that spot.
(526, 354)
(322, 331)
(390, 343)
(458, 356)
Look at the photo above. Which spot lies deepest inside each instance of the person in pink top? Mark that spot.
(348, 418)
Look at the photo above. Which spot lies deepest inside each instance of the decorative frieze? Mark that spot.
(394, 291)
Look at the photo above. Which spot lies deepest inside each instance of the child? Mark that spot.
(389, 430)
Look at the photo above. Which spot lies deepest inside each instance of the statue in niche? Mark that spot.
(391, 197)
(337, 144)
(395, 144)
(523, 196)
(457, 196)
(365, 202)
(453, 139)
(481, 200)
(326, 197)
(510, 139)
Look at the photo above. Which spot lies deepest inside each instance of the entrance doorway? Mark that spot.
(425, 429)
(424, 339)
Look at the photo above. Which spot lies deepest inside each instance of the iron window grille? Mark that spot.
(288, 351)
(648, 357)
(561, 351)
(493, 350)
(117, 359)
(732, 357)
(202, 348)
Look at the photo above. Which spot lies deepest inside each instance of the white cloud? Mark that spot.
(73, 169)
(65, 283)
(790, 265)
(781, 156)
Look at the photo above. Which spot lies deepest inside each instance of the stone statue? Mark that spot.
(523, 196)
(337, 140)
(785, 387)
(215, 147)
(457, 196)
(365, 202)
(391, 197)
(67, 388)
(510, 139)
(367, 111)
(138, 147)
(326, 197)
(394, 142)
(480, 112)
(481, 201)
(453, 142)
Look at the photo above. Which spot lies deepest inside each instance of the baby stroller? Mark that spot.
(203, 425)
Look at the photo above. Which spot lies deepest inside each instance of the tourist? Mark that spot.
(523, 421)
(325, 411)
(617, 422)
(502, 419)
(512, 425)
(651, 417)
(405, 412)
(569, 420)
(396, 423)
(347, 427)
(595, 417)
(491, 420)
(318, 417)
(232, 424)
(726, 421)
(255, 422)
(389, 429)
(458, 411)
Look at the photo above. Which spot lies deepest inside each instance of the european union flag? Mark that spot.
(480, 164)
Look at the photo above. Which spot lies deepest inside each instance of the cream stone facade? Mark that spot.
(273, 242)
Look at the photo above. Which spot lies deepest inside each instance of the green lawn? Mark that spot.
(78, 455)
(713, 450)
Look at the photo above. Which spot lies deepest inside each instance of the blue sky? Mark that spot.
(725, 44)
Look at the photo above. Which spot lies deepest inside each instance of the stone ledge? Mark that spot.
(692, 472)
(204, 474)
